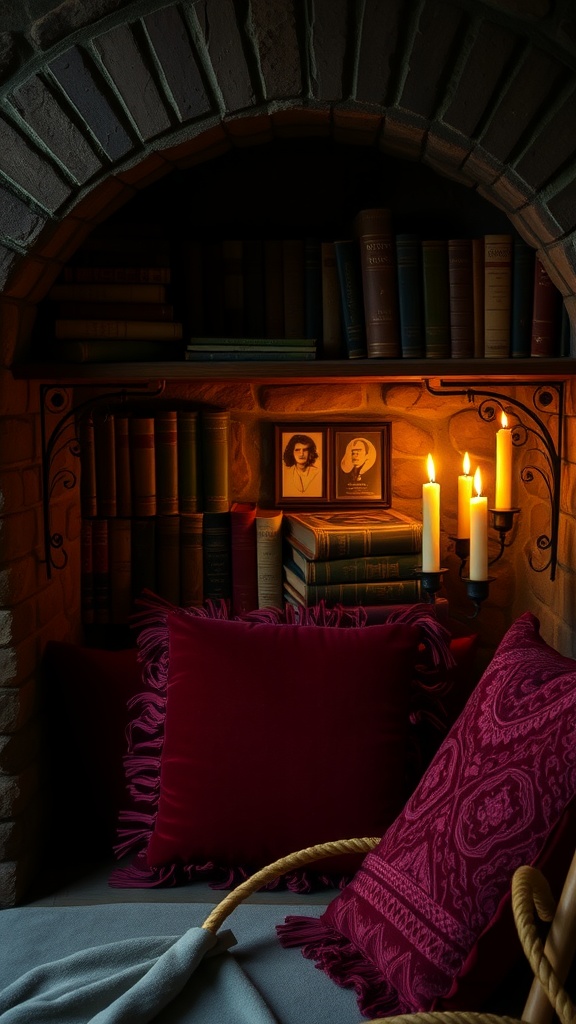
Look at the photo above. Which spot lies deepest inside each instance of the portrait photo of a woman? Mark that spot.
(301, 465)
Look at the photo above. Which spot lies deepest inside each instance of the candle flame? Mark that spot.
(478, 481)
(466, 464)
(431, 473)
(504, 420)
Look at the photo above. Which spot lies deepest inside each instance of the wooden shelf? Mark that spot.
(320, 371)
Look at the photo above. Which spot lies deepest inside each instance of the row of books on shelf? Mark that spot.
(379, 293)
(251, 557)
(173, 462)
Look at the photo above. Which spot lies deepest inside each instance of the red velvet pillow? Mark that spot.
(87, 691)
(499, 793)
(256, 738)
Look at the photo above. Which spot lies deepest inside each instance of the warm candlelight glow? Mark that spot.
(431, 521)
(503, 465)
(464, 495)
(478, 531)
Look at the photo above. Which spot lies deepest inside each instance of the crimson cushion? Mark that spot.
(415, 920)
(259, 736)
(87, 692)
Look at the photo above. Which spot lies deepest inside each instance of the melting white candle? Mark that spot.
(503, 465)
(431, 522)
(478, 532)
(464, 496)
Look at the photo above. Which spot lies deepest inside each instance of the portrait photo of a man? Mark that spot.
(359, 472)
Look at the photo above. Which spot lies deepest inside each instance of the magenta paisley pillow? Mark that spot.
(496, 795)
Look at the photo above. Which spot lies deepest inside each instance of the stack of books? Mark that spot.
(243, 349)
(362, 557)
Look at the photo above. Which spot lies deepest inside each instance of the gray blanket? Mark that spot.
(133, 963)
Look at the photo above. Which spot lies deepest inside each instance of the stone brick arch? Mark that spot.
(117, 95)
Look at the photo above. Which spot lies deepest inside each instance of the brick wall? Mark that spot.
(99, 100)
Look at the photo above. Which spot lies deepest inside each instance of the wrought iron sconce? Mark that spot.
(528, 429)
(57, 401)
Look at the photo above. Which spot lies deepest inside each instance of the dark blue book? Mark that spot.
(351, 297)
(409, 270)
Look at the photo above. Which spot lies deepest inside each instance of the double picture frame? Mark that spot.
(332, 464)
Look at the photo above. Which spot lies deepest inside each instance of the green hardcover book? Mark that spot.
(353, 570)
(189, 496)
(324, 535)
(382, 592)
(351, 297)
(215, 441)
(436, 291)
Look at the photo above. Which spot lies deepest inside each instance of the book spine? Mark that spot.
(166, 461)
(191, 560)
(215, 441)
(87, 571)
(351, 297)
(341, 543)
(88, 483)
(274, 288)
(120, 556)
(105, 450)
(88, 311)
(436, 297)
(244, 569)
(108, 293)
(461, 289)
(395, 592)
(410, 305)
(497, 295)
(101, 565)
(332, 346)
(116, 275)
(269, 558)
(522, 299)
(189, 496)
(478, 287)
(254, 305)
(122, 351)
(168, 558)
(241, 344)
(143, 549)
(247, 356)
(216, 554)
(293, 277)
(545, 314)
(118, 329)
(123, 477)
(379, 282)
(143, 466)
(361, 570)
(312, 288)
(233, 271)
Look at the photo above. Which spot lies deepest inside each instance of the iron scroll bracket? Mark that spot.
(530, 431)
(63, 438)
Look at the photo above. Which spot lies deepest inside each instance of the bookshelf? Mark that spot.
(365, 370)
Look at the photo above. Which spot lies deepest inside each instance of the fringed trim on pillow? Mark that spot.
(145, 738)
(343, 963)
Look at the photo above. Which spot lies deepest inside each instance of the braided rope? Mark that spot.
(531, 890)
(280, 867)
(446, 1017)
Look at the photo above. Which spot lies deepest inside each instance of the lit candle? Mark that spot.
(464, 496)
(503, 465)
(478, 532)
(431, 522)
